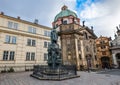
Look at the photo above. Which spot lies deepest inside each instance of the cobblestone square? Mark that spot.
(92, 78)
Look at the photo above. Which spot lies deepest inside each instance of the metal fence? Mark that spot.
(64, 71)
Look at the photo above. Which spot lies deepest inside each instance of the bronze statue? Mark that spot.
(54, 58)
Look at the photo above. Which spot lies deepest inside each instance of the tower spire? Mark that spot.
(64, 7)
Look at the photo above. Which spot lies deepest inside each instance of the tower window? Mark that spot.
(65, 22)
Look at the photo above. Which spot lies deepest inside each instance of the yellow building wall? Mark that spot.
(19, 63)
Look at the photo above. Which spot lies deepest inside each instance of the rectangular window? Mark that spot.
(10, 39)
(45, 56)
(29, 42)
(7, 39)
(28, 56)
(33, 43)
(48, 43)
(10, 24)
(8, 55)
(12, 53)
(14, 40)
(49, 34)
(45, 44)
(32, 30)
(32, 56)
(15, 25)
(5, 55)
(45, 33)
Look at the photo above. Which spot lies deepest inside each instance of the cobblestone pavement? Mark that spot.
(85, 78)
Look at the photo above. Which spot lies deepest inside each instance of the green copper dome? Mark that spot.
(65, 12)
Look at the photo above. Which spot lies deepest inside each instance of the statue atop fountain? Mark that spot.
(54, 58)
(55, 70)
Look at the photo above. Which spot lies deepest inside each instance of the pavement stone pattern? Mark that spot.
(92, 78)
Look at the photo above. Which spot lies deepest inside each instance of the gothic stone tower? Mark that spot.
(71, 36)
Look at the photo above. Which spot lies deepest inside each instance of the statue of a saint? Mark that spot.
(54, 59)
(54, 36)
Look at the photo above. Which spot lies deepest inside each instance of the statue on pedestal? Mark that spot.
(54, 58)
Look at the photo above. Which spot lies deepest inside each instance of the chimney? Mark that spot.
(36, 21)
(18, 17)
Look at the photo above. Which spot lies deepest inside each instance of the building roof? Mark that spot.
(23, 21)
(65, 12)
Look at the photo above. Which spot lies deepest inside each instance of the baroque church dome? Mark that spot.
(65, 12)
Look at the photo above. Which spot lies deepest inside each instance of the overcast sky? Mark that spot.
(103, 15)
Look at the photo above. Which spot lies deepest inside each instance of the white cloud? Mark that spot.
(43, 10)
(103, 16)
(93, 11)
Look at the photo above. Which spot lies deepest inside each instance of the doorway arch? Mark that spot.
(105, 61)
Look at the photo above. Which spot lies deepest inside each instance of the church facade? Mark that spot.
(115, 48)
(77, 41)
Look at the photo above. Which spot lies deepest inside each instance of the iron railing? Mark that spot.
(64, 71)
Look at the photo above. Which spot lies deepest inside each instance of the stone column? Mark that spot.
(114, 59)
(77, 57)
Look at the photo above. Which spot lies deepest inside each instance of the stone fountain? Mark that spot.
(54, 70)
